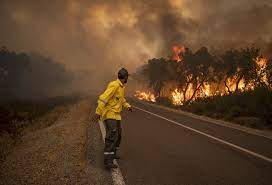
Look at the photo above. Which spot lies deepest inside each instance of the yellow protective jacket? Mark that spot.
(112, 101)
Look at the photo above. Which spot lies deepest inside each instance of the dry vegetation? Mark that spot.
(19, 117)
(235, 85)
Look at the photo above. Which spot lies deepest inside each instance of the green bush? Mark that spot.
(256, 103)
(235, 111)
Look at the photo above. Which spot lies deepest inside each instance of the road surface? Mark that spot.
(159, 147)
(157, 151)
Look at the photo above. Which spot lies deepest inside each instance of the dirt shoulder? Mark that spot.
(57, 154)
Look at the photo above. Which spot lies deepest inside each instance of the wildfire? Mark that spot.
(232, 86)
(177, 97)
(176, 53)
(207, 90)
(148, 96)
(229, 85)
(261, 62)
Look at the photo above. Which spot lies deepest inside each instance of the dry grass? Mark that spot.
(18, 118)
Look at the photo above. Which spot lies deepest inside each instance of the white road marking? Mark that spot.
(211, 137)
(116, 174)
(211, 120)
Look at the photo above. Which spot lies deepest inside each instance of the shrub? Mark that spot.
(255, 104)
(164, 101)
(235, 111)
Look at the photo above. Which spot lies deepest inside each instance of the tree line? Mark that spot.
(232, 71)
(26, 76)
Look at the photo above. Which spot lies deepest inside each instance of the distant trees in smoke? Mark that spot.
(24, 76)
(201, 73)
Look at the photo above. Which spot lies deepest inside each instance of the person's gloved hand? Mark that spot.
(95, 118)
(130, 109)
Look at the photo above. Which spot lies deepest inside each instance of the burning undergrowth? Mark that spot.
(187, 75)
(148, 96)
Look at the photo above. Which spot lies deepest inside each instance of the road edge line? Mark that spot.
(116, 173)
(211, 137)
(222, 123)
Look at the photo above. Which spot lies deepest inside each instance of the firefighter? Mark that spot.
(110, 106)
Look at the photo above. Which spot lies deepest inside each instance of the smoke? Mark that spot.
(97, 37)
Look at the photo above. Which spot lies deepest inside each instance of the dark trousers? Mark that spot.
(112, 139)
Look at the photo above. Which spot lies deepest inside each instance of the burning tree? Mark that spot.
(158, 72)
(200, 74)
(242, 69)
(268, 73)
(194, 72)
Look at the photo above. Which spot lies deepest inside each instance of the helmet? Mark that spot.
(122, 73)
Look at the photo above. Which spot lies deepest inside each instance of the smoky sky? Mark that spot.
(98, 37)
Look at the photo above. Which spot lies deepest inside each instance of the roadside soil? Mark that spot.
(69, 151)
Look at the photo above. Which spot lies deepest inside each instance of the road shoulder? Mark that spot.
(67, 152)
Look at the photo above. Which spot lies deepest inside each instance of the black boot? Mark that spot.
(108, 161)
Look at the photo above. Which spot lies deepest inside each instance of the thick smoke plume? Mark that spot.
(97, 37)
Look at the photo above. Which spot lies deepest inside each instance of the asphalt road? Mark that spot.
(155, 151)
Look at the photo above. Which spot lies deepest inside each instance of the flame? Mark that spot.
(261, 62)
(206, 90)
(177, 97)
(148, 96)
(176, 52)
(231, 82)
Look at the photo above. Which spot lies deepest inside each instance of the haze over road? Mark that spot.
(156, 151)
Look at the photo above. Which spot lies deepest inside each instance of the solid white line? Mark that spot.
(211, 120)
(211, 137)
(116, 174)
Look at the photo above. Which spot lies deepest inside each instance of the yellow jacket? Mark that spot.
(112, 101)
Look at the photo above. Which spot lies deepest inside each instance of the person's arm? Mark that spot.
(103, 100)
(126, 105)
(105, 97)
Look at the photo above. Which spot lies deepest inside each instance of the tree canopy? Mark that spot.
(30, 76)
(235, 70)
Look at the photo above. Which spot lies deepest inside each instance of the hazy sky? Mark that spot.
(100, 36)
